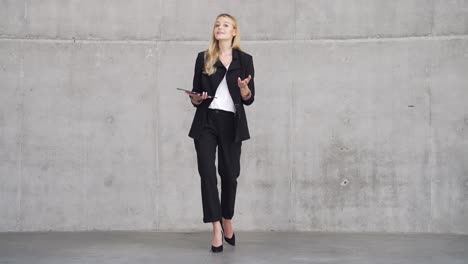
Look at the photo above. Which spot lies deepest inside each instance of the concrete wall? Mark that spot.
(360, 121)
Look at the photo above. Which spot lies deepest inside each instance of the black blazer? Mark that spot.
(241, 66)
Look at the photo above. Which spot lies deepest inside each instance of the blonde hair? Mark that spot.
(213, 51)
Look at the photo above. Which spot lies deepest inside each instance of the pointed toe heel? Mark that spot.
(231, 241)
(216, 249)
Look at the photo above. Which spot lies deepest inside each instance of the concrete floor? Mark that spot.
(253, 247)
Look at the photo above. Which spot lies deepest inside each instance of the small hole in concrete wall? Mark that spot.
(108, 181)
(344, 148)
(110, 119)
(344, 182)
(410, 105)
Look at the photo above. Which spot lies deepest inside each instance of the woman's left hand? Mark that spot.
(243, 86)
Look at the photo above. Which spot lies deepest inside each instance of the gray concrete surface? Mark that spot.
(252, 247)
(360, 122)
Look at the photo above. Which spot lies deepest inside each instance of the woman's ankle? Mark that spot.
(228, 229)
(217, 226)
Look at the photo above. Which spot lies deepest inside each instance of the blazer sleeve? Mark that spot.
(250, 71)
(197, 75)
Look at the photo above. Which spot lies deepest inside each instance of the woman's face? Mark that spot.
(224, 29)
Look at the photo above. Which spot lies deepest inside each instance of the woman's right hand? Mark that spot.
(198, 98)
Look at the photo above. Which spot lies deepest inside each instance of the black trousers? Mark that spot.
(218, 133)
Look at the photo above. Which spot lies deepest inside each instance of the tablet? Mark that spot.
(191, 92)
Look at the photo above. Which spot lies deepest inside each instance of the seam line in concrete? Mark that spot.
(292, 139)
(20, 143)
(156, 146)
(292, 41)
(295, 20)
(432, 16)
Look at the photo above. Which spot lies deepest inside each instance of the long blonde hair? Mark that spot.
(213, 51)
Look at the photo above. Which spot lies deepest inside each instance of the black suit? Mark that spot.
(224, 130)
(241, 66)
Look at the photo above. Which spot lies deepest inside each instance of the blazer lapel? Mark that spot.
(235, 63)
(231, 77)
(218, 76)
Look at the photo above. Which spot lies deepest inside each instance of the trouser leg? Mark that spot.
(205, 146)
(229, 170)
(228, 164)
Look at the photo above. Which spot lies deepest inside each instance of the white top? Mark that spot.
(223, 100)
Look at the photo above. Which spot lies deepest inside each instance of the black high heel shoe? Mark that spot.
(231, 241)
(218, 248)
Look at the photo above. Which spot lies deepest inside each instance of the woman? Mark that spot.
(222, 84)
